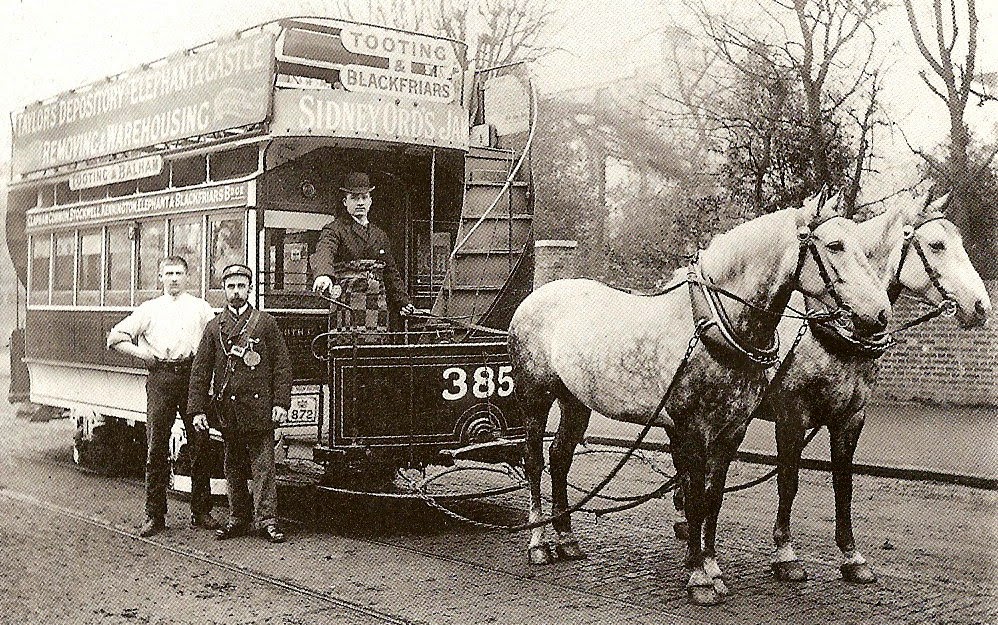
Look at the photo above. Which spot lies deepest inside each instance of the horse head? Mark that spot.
(832, 266)
(934, 264)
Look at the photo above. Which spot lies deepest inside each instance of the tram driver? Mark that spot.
(355, 238)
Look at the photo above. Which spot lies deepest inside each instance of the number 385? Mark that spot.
(485, 382)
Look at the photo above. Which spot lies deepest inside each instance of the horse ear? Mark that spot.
(938, 205)
(810, 210)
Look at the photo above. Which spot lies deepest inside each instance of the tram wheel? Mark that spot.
(99, 447)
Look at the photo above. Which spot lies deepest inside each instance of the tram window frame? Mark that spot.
(144, 292)
(40, 293)
(88, 294)
(278, 227)
(63, 283)
(194, 258)
(118, 297)
(213, 268)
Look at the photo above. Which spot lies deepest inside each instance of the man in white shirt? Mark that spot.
(164, 334)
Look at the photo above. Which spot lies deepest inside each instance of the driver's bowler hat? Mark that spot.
(356, 182)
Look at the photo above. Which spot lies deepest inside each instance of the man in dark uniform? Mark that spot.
(354, 238)
(244, 359)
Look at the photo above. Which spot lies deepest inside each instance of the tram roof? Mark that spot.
(229, 74)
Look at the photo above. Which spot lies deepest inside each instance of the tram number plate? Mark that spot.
(304, 410)
(482, 382)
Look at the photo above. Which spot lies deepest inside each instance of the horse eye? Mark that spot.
(937, 246)
(836, 246)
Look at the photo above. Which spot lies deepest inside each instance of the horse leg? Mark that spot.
(700, 586)
(679, 526)
(719, 461)
(535, 418)
(843, 438)
(572, 428)
(716, 478)
(789, 447)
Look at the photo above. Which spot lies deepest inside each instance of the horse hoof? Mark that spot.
(857, 573)
(720, 587)
(789, 571)
(541, 554)
(570, 551)
(703, 595)
(681, 529)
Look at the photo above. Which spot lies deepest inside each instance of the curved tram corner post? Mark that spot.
(244, 166)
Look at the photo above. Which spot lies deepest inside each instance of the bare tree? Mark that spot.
(951, 80)
(805, 63)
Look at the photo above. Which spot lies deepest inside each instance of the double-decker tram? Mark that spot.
(234, 152)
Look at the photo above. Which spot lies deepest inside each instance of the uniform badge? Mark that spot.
(251, 358)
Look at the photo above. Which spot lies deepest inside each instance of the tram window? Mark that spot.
(120, 189)
(190, 171)
(186, 240)
(65, 195)
(226, 245)
(150, 253)
(234, 163)
(119, 267)
(41, 253)
(155, 183)
(46, 196)
(88, 283)
(62, 268)
(94, 194)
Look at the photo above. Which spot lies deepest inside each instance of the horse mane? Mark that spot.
(731, 251)
(879, 229)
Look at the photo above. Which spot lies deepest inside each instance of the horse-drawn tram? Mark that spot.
(233, 151)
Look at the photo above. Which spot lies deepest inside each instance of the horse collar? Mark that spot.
(717, 331)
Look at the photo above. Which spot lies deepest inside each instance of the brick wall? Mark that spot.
(940, 362)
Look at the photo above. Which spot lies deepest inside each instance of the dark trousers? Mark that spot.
(166, 396)
(250, 455)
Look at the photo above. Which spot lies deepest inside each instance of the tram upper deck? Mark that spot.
(232, 152)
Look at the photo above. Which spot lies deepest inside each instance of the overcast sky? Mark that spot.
(49, 47)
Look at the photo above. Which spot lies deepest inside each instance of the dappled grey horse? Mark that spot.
(591, 347)
(832, 373)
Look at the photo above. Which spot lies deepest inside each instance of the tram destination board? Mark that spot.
(422, 394)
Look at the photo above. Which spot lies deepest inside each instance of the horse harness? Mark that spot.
(715, 326)
(841, 341)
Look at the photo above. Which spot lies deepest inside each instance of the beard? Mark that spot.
(237, 302)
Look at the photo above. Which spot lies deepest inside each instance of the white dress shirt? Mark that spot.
(169, 326)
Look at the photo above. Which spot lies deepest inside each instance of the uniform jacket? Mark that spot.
(251, 392)
(344, 240)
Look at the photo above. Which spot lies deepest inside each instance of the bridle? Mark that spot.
(947, 306)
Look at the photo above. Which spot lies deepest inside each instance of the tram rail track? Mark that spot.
(630, 567)
(203, 558)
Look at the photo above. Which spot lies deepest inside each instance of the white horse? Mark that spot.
(592, 347)
(829, 378)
